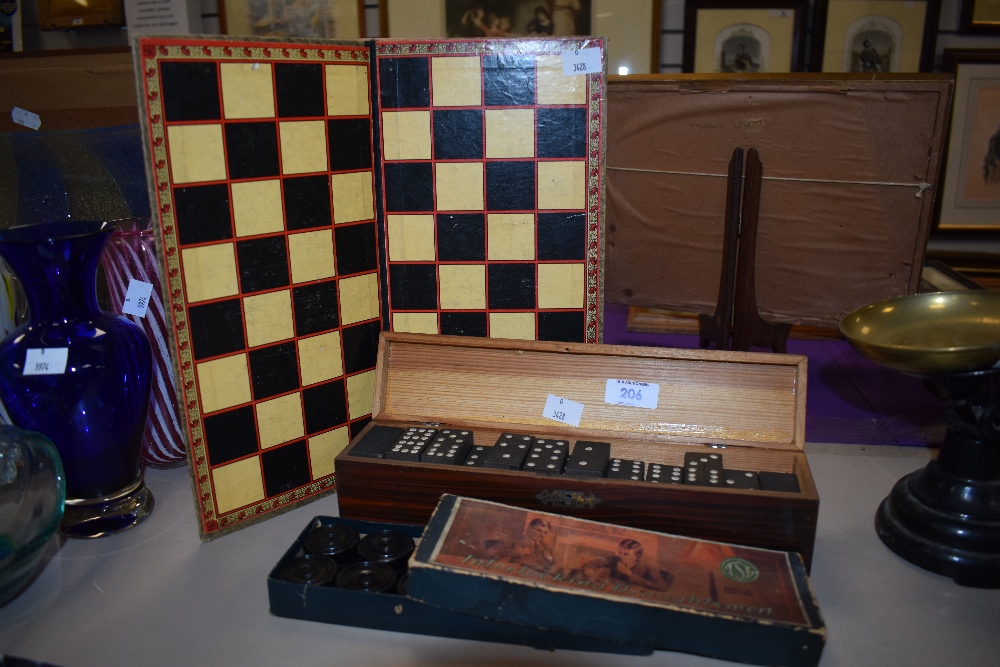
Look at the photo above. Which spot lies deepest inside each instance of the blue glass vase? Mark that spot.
(78, 375)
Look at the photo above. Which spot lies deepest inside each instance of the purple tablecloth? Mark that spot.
(849, 399)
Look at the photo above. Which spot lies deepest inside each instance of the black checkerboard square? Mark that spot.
(252, 149)
(350, 142)
(359, 425)
(273, 370)
(285, 467)
(203, 213)
(562, 236)
(404, 82)
(458, 134)
(355, 248)
(463, 324)
(307, 202)
(360, 344)
(230, 435)
(509, 80)
(511, 286)
(190, 91)
(216, 328)
(299, 90)
(413, 286)
(409, 187)
(564, 326)
(314, 307)
(263, 263)
(324, 406)
(510, 185)
(562, 132)
(461, 237)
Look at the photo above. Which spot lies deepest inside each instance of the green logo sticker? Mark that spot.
(739, 570)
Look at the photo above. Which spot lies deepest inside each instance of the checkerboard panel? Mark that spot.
(502, 151)
(265, 187)
(298, 215)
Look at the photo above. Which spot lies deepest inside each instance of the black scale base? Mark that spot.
(946, 517)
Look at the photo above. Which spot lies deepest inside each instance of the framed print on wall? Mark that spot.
(738, 36)
(875, 35)
(980, 16)
(321, 19)
(970, 196)
(621, 21)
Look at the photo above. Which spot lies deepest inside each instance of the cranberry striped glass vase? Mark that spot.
(130, 255)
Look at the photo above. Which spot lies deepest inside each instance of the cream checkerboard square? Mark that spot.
(510, 236)
(237, 484)
(510, 133)
(268, 317)
(323, 451)
(554, 87)
(406, 135)
(279, 420)
(353, 197)
(561, 285)
(463, 286)
(320, 358)
(257, 208)
(209, 272)
(456, 81)
(196, 153)
(415, 322)
(247, 90)
(347, 89)
(223, 382)
(411, 238)
(459, 186)
(310, 255)
(360, 394)
(359, 298)
(303, 146)
(512, 325)
(562, 185)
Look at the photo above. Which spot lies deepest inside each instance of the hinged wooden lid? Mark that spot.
(705, 396)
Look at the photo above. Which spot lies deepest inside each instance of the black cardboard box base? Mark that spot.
(620, 584)
(400, 613)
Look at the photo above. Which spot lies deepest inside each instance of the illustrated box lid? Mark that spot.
(620, 584)
(850, 170)
(750, 399)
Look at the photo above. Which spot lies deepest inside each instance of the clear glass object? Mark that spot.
(32, 495)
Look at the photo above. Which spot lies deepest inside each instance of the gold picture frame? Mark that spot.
(69, 15)
(970, 194)
(743, 37)
(980, 16)
(621, 21)
(895, 36)
(311, 19)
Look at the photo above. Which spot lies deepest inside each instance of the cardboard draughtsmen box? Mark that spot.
(619, 584)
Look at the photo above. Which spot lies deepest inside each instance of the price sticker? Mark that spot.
(581, 61)
(563, 410)
(25, 118)
(137, 298)
(632, 393)
(45, 361)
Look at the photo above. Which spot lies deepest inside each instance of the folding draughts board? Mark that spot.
(311, 194)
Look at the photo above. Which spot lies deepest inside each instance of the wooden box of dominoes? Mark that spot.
(700, 443)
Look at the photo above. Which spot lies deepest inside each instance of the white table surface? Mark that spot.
(157, 595)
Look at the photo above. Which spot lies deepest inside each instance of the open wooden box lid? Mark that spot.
(705, 396)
